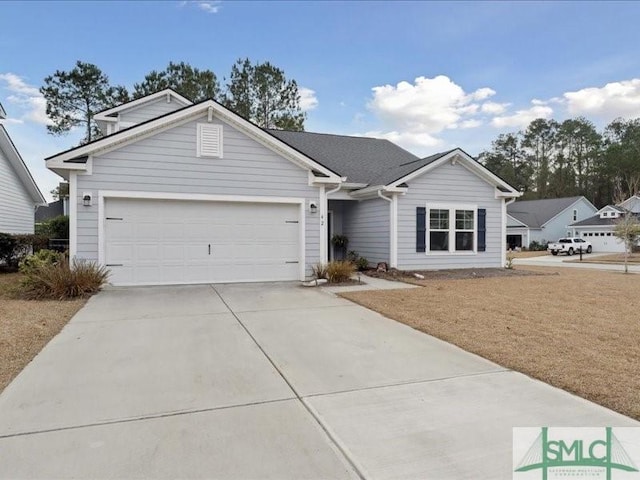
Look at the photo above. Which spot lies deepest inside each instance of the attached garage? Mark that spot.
(603, 241)
(168, 241)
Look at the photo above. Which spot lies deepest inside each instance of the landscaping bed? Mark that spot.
(578, 330)
(409, 276)
(26, 326)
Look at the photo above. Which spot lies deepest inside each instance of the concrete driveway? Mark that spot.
(264, 381)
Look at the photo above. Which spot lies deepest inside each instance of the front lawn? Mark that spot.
(614, 258)
(26, 326)
(578, 330)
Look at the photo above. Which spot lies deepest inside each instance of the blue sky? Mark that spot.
(427, 75)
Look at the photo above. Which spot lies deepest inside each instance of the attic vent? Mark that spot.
(209, 140)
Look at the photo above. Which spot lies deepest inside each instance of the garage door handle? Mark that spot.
(209, 249)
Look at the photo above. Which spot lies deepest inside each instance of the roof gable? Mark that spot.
(67, 160)
(632, 204)
(7, 146)
(536, 213)
(457, 156)
(110, 114)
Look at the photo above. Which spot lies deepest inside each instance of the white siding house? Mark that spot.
(545, 220)
(19, 194)
(196, 194)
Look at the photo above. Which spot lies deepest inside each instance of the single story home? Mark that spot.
(598, 229)
(19, 194)
(177, 193)
(545, 220)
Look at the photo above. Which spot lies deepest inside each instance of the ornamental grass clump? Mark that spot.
(339, 271)
(60, 280)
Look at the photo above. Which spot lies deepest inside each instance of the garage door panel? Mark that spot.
(160, 241)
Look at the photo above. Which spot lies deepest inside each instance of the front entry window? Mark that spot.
(452, 228)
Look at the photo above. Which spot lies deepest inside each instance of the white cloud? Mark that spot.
(473, 123)
(412, 114)
(406, 139)
(308, 100)
(428, 105)
(493, 108)
(27, 99)
(616, 99)
(209, 6)
(522, 118)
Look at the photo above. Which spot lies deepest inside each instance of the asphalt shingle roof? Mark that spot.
(535, 213)
(372, 161)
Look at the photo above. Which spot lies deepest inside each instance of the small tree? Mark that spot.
(628, 230)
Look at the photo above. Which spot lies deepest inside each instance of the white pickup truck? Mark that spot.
(569, 246)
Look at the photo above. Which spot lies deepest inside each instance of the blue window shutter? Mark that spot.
(482, 229)
(421, 229)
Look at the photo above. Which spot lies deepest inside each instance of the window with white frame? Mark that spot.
(438, 229)
(575, 214)
(452, 228)
(465, 230)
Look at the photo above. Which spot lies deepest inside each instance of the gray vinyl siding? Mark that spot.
(150, 110)
(366, 225)
(16, 206)
(558, 227)
(451, 184)
(167, 162)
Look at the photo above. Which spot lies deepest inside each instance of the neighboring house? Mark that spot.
(544, 221)
(52, 210)
(599, 228)
(19, 194)
(199, 194)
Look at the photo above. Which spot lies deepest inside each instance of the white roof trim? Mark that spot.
(151, 127)
(7, 146)
(107, 115)
(634, 197)
(467, 162)
(3, 114)
(613, 208)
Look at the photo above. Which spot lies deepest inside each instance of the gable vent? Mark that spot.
(209, 140)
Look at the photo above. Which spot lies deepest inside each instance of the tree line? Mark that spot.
(550, 159)
(258, 91)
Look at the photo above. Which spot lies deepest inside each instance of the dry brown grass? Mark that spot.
(26, 326)
(529, 254)
(578, 330)
(615, 258)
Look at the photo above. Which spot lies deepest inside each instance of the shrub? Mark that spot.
(56, 227)
(319, 270)
(339, 271)
(14, 248)
(362, 263)
(41, 258)
(61, 280)
(535, 246)
(7, 247)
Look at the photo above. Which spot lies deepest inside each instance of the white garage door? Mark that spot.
(603, 242)
(169, 241)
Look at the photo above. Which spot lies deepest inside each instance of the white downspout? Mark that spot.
(325, 241)
(393, 228)
(505, 202)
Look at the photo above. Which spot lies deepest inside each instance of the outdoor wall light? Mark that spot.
(313, 208)
(86, 199)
